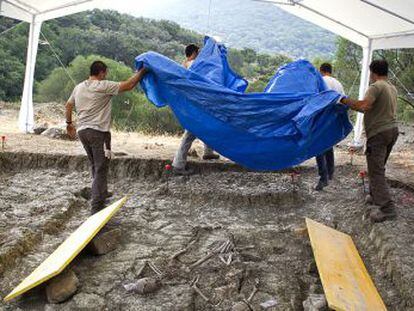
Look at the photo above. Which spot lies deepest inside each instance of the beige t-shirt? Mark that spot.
(92, 99)
(382, 116)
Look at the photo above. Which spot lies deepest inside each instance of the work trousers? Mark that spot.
(377, 152)
(180, 158)
(326, 164)
(93, 141)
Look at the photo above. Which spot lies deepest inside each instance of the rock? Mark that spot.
(39, 129)
(193, 153)
(240, 306)
(55, 132)
(300, 231)
(62, 287)
(315, 303)
(315, 289)
(143, 286)
(312, 267)
(85, 193)
(105, 242)
(268, 304)
(85, 301)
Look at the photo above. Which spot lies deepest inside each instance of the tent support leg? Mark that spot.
(26, 118)
(366, 60)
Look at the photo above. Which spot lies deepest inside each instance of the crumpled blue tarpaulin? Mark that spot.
(295, 119)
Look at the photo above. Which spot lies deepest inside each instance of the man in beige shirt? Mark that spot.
(92, 100)
(380, 108)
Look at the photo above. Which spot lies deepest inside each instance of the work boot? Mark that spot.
(213, 156)
(382, 214)
(97, 208)
(321, 184)
(182, 171)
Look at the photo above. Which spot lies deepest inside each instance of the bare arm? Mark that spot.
(70, 128)
(68, 113)
(358, 105)
(132, 82)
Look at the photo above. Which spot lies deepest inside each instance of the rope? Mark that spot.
(9, 29)
(353, 83)
(58, 58)
(402, 84)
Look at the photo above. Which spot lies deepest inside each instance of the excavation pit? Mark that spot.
(256, 220)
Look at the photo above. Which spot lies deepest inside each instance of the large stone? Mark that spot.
(40, 128)
(62, 287)
(105, 242)
(240, 306)
(315, 303)
(56, 132)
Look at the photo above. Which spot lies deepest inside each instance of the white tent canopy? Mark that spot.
(372, 24)
(35, 12)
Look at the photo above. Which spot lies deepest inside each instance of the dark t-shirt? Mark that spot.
(382, 116)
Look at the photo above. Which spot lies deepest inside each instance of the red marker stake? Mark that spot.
(294, 176)
(168, 169)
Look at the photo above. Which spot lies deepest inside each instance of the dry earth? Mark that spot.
(261, 214)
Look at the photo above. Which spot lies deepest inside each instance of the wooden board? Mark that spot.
(345, 279)
(68, 250)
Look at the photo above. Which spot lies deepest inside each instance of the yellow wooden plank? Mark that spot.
(67, 251)
(345, 279)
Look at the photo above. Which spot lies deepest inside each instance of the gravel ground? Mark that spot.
(260, 214)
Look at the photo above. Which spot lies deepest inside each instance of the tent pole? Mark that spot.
(366, 60)
(26, 118)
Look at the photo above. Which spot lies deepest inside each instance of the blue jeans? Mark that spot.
(326, 164)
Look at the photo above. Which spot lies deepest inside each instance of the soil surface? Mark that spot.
(260, 214)
(258, 217)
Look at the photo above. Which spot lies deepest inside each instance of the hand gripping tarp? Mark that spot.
(295, 119)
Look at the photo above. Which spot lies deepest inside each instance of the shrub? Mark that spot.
(131, 111)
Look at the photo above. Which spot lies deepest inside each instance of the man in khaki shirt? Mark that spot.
(379, 107)
(92, 99)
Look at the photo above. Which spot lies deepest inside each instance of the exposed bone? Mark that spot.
(229, 259)
(215, 251)
(154, 268)
(225, 247)
(198, 291)
(141, 269)
(244, 248)
(179, 253)
(255, 290)
(222, 259)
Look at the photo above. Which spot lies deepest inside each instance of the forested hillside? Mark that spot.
(246, 24)
(117, 36)
(68, 45)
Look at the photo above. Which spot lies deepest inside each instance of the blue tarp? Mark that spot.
(294, 119)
